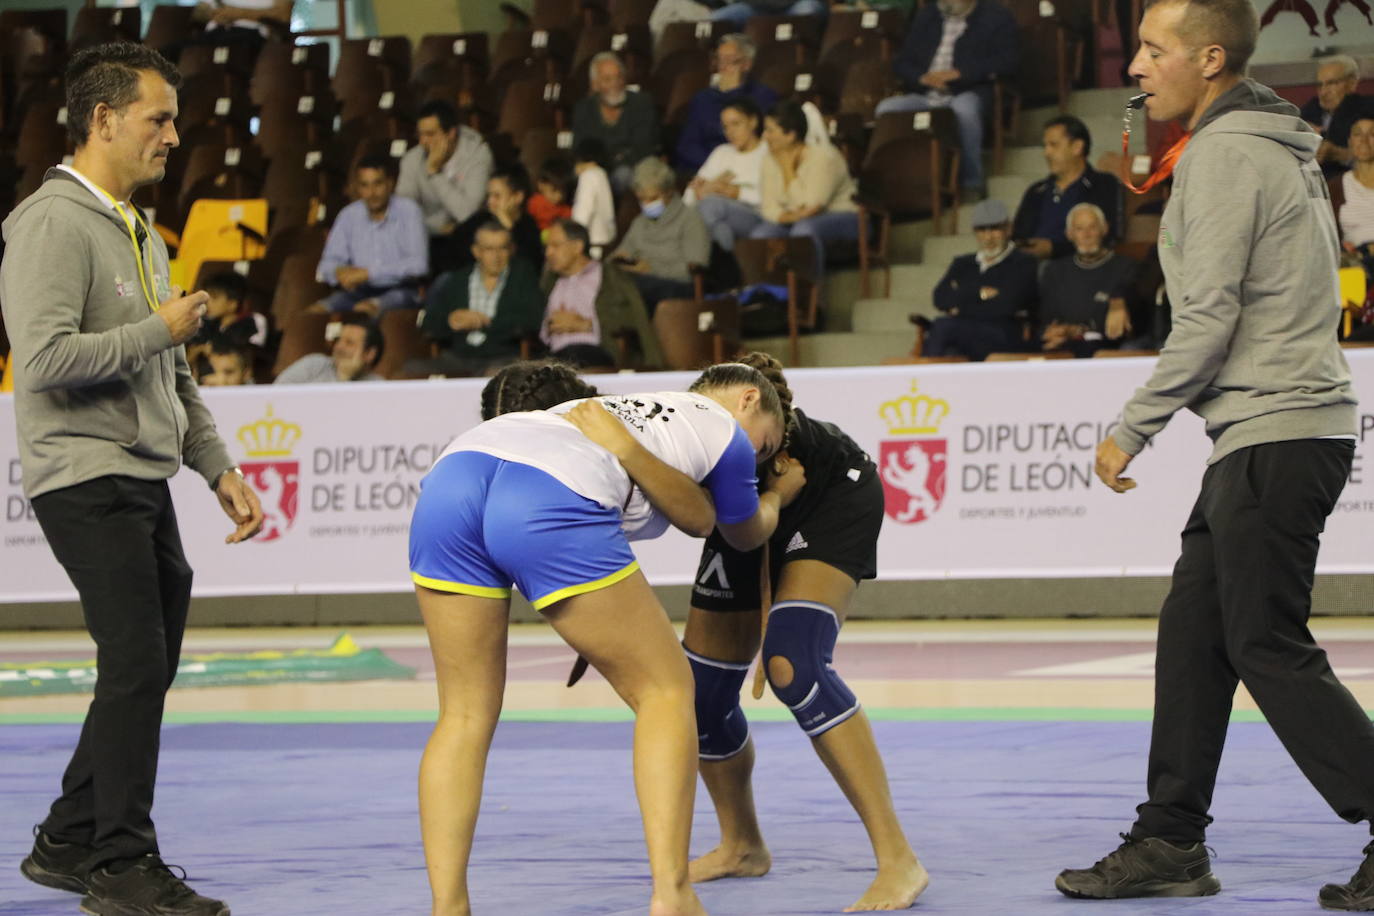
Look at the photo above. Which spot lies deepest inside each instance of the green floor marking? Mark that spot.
(344, 660)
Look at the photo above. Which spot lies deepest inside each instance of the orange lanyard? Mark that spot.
(1166, 162)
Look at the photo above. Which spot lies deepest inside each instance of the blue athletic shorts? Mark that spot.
(483, 524)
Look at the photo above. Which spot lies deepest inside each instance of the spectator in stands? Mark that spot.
(228, 363)
(1333, 110)
(805, 188)
(356, 352)
(1083, 296)
(702, 131)
(666, 12)
(377, 251)
(1357, 186)
(553, 192)
(479, 313)
(739, 12)
(988, 296)
(1357, 214)
(625, 121)
(1044, 211)
(249, 23)
(593, 204)
(665, 241)
(227, 316)
(508, 194)
(727, 190)
(446, 172)
(590, 302)
(953, 52)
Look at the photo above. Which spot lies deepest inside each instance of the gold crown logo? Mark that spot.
(269, 437)
(913, 414)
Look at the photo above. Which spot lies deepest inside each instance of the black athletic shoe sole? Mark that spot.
(56, 880)
(94, 906)
(1356, 906)
(1205, 886)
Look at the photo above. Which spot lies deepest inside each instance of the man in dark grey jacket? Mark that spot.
(1248, 246)
(107, 410)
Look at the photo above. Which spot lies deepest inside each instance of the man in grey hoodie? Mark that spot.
(107, 410)
(1249, 249)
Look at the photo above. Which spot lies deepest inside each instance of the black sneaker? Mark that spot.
(58, 865)
(147, 888)
(1143, 868)
(1355, 894)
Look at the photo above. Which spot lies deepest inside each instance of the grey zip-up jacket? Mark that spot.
(99, 389)
(1249, 249)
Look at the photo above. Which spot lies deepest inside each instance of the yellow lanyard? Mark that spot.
(133, 240)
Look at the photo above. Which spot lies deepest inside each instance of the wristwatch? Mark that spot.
(214, 485)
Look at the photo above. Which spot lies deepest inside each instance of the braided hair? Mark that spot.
(728, 375)
(771, 369)
(532, 385)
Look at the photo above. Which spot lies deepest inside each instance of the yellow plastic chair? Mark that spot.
(213, 233)
(1354, 286)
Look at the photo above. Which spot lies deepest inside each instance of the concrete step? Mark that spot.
(1006, 188)
(1024, 161)
(911, 290)
(883, 316)
(940, 250)
(1087, 103)
(842, 349)
(892, 315)
(904, 246)
(842, 288)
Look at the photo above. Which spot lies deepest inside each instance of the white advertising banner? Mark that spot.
(987, 471)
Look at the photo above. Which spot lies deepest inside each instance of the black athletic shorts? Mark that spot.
(839, 529)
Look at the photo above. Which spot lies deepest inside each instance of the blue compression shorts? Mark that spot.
(482, 524)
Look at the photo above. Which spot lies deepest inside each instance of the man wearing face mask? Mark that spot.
(951, 56)
(624, 120)
(665, 240)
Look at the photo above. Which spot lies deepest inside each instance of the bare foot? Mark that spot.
(684, 904)
(894, 888)
(720, 862)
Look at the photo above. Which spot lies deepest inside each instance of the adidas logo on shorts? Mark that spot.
(797, 543)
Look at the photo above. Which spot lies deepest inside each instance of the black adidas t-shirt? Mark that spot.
(834, 519)
(828, 455)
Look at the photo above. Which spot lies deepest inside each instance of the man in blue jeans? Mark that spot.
(952, 54)
(738, 13)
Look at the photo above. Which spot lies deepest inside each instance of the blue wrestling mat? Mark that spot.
(306, 819)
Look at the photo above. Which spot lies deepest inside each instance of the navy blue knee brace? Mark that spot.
(803, 633)
(722, 730)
